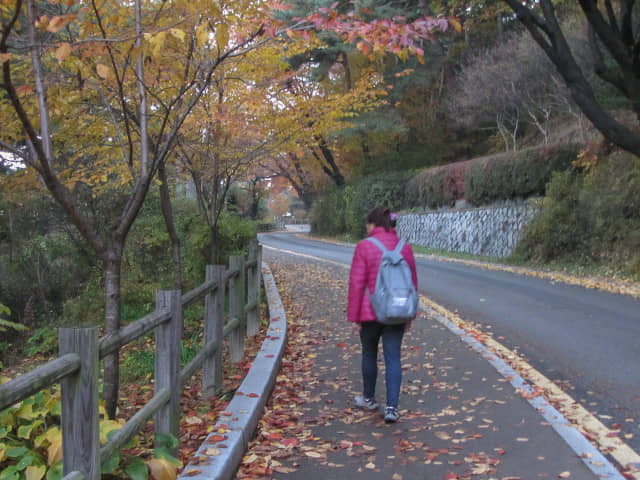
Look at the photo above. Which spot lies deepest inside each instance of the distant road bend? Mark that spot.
(588, 339)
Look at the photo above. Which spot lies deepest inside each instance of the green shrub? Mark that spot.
(560, 228)
(147, 262)
(36, 279)
(327, 212)
(338, 211)
(31, 443)
(520, 174)
(590, 217)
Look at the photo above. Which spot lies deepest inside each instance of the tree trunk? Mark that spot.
(547, 33)
(112, 306)
(213, 251)
(329, 165)
(167, 213)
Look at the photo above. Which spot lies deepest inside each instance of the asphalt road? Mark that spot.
(587, 339)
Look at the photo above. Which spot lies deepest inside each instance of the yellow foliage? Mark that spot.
(35, 473)
(222, 36)
(108, 426)
(54, 451)
(161, 469)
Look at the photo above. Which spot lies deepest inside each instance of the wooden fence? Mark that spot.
(80, 350)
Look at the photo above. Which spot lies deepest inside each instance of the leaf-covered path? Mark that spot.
(460, 418)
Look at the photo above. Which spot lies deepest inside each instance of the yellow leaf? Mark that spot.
(202, 35)
(63, 51)
(222, 36)
(54, 452)
(3, 449)
(249, 459)
(53, 435)
(161, 469)
(103, 70)
(26, 412)
(157, 43)
(58, 22)
(177, 33)
(35, 473)
(106, 427)
(194, 420)
(455, 23)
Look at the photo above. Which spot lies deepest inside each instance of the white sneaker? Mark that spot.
(391, 414)
(368, 403)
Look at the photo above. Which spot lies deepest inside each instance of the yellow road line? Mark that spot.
(606, 439)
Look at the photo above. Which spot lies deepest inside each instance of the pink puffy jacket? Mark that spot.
(364, 269)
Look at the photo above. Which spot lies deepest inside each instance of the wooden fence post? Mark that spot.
(237, 304)
(213, 330)
(167, 362)
(253, 290)
(79, 392)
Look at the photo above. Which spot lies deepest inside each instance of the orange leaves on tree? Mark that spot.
(63, 51)
(58, 22)
(395, 35)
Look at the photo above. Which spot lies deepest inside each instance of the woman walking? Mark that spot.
(362, 281)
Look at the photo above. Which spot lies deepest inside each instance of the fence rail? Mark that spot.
(80, 350)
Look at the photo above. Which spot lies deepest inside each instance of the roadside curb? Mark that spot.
(221, 452)
(583, 448)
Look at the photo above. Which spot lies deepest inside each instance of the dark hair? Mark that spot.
(380, 217)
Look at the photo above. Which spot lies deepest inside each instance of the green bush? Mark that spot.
(147, 262)
(339, 211)
(327, 212)
(31, 443)
(560, 228)
(519, 174)
(590, 217)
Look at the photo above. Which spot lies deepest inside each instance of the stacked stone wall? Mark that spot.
(491, 231)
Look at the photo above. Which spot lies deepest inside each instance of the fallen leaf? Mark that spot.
(313, 454)
(564, 475)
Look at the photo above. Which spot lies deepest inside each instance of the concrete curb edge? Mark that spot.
(221, 452)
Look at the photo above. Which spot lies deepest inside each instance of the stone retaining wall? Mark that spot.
(492, 231)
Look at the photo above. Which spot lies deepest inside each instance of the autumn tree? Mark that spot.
(222, 144)
(94, 96)
(615, 44)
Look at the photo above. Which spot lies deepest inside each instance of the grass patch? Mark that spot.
(458, 255)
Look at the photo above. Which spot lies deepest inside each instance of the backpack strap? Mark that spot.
(378, 244)
(400, 246)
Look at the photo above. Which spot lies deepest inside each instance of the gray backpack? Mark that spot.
(394, 300)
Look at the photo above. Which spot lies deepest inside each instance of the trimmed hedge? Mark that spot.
(484, 180)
